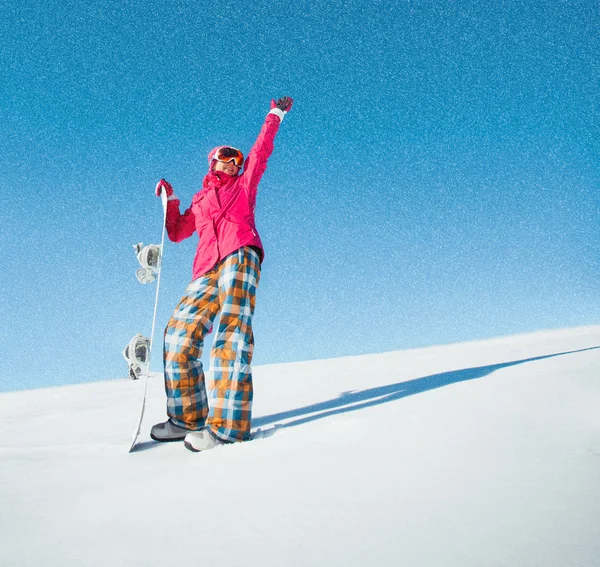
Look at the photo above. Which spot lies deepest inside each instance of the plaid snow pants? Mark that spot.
(229, 288)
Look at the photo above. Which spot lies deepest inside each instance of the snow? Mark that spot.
(482, 453)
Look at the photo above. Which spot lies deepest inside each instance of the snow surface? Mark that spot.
(486, 453)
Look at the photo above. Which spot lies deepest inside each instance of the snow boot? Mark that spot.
(202, 440)
(168, 431)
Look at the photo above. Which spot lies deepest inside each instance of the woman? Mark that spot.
(225, 277)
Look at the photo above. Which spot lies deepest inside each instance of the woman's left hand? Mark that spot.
(284, 103)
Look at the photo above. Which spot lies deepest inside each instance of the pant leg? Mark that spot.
(230, 388)
(187, 403)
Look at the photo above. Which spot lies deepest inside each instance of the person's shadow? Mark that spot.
(352, 401)
(357, 400)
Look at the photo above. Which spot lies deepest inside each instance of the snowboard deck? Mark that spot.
(136, 433)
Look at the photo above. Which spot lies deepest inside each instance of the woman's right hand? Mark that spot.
(163, 185)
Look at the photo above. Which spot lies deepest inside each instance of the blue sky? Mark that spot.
(436, 181)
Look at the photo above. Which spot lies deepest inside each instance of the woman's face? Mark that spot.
(230, 168)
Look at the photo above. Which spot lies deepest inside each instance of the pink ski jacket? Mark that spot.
(222, 212)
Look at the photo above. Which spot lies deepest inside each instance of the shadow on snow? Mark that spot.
(356, 400)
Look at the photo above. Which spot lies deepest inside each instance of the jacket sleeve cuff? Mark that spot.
(278, 112)
(173, 197)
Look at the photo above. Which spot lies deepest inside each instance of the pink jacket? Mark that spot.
(222, 234)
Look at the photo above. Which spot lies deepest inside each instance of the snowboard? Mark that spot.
(136, 434)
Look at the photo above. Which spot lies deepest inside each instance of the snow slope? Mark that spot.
(486, 453)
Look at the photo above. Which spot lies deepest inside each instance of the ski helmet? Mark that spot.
(226, 154)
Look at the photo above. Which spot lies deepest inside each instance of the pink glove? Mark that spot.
(163, 185)
(284, 103)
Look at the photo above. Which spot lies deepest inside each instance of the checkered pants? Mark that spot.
(229, 288)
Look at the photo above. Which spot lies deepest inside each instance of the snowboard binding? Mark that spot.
(149, 257)
(136, 355)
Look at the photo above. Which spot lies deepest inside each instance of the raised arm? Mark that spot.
(256, 162)
(179, 226)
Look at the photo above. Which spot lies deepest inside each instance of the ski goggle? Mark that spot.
(149, 258)
(136, 354)
(226, 154)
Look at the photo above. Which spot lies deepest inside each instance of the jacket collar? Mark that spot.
(216, 180)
